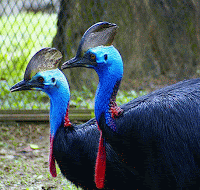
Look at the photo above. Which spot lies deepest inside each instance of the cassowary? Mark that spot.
(73, 147)
(157, 135)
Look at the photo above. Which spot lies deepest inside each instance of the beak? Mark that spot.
(24, 85)
(20, 86)
(78, 62)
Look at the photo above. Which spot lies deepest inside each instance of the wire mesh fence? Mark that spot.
(155, 37)
(25, 27)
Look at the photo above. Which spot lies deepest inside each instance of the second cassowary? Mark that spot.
(73, 147)
(157, 135)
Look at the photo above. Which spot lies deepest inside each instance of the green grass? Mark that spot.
(86, 97)
(22, 36)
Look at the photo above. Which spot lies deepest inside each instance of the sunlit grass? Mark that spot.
(22, 36)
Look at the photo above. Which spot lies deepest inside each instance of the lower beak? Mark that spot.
(78, 62)
(20, 86)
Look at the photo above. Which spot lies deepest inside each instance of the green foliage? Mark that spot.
(86, 98)
(39, 100)
(125, 97)
(22, 36)
(21, 100)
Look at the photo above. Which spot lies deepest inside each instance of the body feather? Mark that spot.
(158, 136)
(74, 148)
(75, 151)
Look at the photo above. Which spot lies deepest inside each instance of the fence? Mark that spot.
(26, 27)
(155, 38)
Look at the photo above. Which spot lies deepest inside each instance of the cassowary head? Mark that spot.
(42, 73)
(95, 51)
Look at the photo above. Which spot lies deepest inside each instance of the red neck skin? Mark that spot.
(52, 165)
(115, 110)
(67, 122)
(100, 167)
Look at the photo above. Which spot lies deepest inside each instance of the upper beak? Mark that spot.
(20, 86)
(26, 85)
(78, 62)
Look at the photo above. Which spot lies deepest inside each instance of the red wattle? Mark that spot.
(52, 165)
(67, 122)
(100, 167)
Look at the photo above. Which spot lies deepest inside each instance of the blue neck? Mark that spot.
(59, 102)
(105, 94)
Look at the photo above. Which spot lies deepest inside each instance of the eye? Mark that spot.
(93, 57)
(53, 79)
(105, 56)
(41, 79)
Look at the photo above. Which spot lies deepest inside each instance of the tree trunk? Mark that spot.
(154, 38)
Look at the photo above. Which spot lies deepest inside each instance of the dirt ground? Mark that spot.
(24, 151)
(24, 166)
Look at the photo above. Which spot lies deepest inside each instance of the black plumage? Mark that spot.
(73, 147)
(75, 150)
(157, 136)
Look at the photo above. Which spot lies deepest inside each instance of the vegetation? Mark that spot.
(155, 38)
(24, 152)
(22, 35)
(37, 31)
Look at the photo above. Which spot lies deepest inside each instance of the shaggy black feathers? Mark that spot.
(75, 151)
(158, 137)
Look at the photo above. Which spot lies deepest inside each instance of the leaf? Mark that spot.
(34, 146)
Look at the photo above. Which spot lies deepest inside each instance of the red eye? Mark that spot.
(41, 79)
(92, 56)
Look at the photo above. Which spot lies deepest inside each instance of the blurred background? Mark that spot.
(159, 43)
(158, 40)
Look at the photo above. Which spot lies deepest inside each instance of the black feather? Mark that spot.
(75, 151)
(158, 136)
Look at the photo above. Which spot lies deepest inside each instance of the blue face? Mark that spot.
(54, 83)
(105, 58)
(107, 62)
(50, 82)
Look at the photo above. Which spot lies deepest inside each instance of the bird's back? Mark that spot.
(158, 136)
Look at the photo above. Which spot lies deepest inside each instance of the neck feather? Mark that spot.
(58, 110)
(105, 98)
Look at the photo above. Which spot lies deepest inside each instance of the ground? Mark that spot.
(24, 167)
(24, 151)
